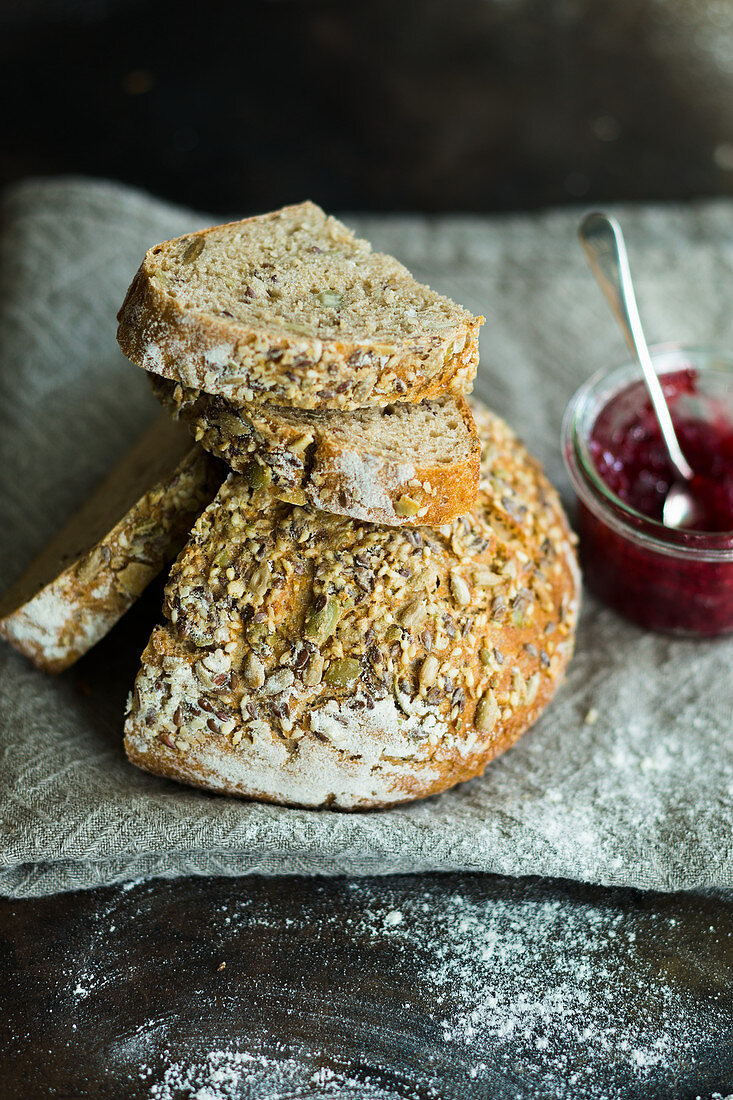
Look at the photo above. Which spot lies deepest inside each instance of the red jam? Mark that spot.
(672, 581)
(630, 456)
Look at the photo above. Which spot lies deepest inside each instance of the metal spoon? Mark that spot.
(603, 242)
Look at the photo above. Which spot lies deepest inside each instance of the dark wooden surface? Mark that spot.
(365, 988)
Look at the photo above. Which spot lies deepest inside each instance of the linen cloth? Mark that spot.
(643, 796)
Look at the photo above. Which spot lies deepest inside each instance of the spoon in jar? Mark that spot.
(603, 242)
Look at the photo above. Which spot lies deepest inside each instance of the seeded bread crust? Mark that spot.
(346, 463)
(312, 660)
(108, 553)
(330, 356)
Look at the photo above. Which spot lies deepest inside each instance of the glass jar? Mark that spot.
(671, 581)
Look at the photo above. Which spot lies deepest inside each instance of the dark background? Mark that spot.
(373, 104)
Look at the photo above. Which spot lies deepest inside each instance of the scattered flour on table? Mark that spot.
(511, 992)
(232, 1075)
(546, 998)
(566, 995)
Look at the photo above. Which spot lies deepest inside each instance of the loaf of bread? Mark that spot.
(107, 554)
(402, 465)
(293, 309)
(314, 660)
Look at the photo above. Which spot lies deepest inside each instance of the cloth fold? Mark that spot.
(628, 777)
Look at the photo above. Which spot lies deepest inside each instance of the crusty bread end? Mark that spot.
(107, 554)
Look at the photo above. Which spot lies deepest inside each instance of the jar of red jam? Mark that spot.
(672, 581)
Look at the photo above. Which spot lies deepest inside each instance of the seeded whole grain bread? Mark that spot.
(107, 554)
(402, 465)
(292, 308)
(313, 660)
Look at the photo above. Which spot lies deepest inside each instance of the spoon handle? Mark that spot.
(603, 242)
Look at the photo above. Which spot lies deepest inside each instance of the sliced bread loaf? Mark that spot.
(100, 562)
(292, 308)
(313, 660)
(410, 465)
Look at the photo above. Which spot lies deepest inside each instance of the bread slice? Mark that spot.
(313, 660)
(292, 308)
(402, 465)
(100, 562)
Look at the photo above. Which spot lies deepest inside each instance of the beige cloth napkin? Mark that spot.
(642, 797)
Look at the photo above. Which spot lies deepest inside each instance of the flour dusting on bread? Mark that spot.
(311, 659)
